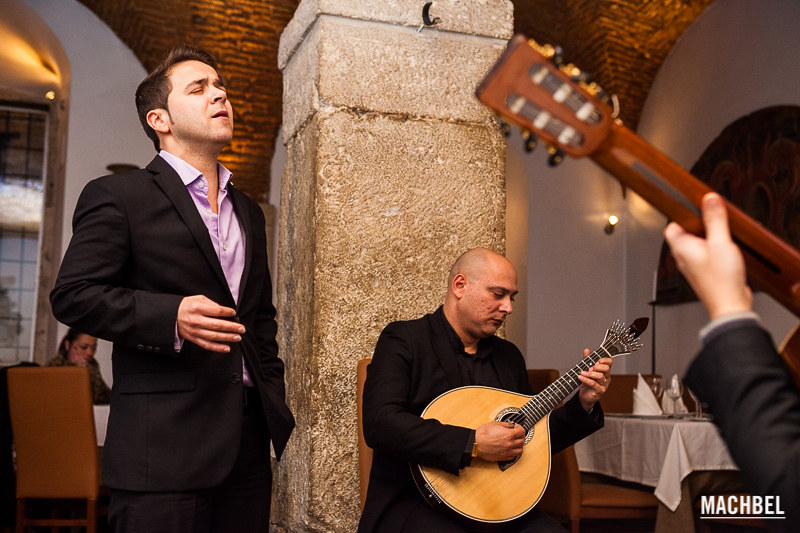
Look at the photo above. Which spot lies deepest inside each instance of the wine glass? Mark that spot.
(698, 408)
(654, 382)
(674, 391)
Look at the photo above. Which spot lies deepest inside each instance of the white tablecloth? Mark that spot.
(658, 452)
(100, 423)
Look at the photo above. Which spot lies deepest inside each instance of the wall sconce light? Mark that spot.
(612, 222)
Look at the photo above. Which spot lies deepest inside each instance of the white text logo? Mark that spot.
(741, 506)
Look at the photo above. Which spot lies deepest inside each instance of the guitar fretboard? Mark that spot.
(549, 398)
(618, 341)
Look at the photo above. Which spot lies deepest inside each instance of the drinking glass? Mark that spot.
(698, 408)
(674, 391)
(654, 382)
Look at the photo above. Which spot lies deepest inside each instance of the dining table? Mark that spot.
(663, 452)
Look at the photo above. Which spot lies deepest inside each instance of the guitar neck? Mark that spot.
(772, 264)
(554, 394)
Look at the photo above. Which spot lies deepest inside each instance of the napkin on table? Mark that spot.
(644, 401)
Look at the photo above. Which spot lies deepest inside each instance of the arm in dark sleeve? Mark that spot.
(571, 423)
(90, 292)
(392, 405)
(756, 405)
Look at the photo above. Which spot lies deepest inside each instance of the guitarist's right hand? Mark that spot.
(500, 441)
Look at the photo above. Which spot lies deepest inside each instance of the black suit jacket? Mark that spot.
(757, 408)
(138, 248)
(414, 363)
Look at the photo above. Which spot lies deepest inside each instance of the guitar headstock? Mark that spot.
(621, 339)
(553, 102)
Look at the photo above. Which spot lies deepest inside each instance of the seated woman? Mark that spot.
(77, 349)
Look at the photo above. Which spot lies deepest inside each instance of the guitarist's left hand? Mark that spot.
(594, 382)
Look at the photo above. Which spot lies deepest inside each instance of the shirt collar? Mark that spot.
(188, 173)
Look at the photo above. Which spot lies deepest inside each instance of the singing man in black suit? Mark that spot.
(416, 361)
(170, 264)
(738, 371)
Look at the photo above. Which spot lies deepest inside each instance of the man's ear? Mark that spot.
(158, 119)
(458, 285)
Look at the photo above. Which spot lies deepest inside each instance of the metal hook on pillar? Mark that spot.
(427, 21)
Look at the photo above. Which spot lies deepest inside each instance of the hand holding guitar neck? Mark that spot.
(714, 266)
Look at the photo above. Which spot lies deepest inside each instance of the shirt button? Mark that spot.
(236, 378)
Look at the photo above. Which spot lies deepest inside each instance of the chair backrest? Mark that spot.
(364, 451)
(619, 396)
(540, 378)
(52, 422)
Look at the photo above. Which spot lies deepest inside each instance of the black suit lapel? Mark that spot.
(239, 207)
(169, 182)
(442, 349)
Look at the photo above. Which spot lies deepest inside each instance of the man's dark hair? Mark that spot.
(154, 90)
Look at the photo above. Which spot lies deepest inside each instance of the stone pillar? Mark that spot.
(394, 169)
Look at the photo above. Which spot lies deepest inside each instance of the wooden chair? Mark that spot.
(54, 435)
(571, 500)
(619, 396)
(540, 378)
(364, 451)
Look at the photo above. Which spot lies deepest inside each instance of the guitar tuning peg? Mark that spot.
(505, 129)
(582, 77)
(556, 157)
(530, 140)
(558, 56)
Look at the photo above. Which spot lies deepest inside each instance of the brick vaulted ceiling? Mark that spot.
(621, 42)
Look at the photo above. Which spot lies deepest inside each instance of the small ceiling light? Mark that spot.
(612, 222)
(50, 95)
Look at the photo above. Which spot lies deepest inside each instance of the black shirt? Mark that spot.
(477, 368)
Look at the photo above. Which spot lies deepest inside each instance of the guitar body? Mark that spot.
(483, 492)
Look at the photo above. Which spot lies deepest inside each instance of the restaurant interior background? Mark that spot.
(684, 73)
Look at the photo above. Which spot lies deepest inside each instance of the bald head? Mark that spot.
(473, 263)
(480, 291)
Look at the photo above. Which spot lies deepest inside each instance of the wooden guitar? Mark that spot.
(525, 88)
(491, 493)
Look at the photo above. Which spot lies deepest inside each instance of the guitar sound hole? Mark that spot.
(517, 417)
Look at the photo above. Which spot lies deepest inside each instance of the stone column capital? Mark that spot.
(486, 18)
